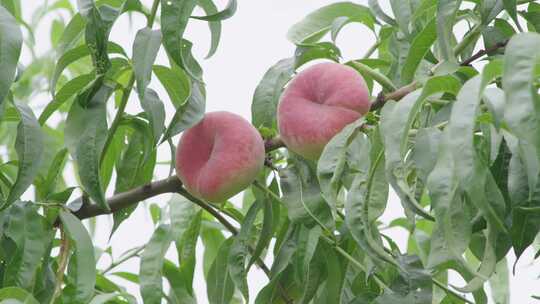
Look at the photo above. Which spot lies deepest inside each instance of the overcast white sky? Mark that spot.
(252, 41)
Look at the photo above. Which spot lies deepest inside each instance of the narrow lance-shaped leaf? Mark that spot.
(446, 14)
(155, 112)
(332, 163)
(268, 91)
(174, 19)
(419, 48)
(215, 26)
(29, 232)
(522, 99)
(152, 260)
(315, 25)
(85, 279)
(186, 248)
(239, 250)
(18, 294)
(98, 26)
(29, 147)
(188, 114)
(75, 54)
(226, 13)
(145, 49)
(10, 48)
(220, 286)
(85, 134)
(302, 195)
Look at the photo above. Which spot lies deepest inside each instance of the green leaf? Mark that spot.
(151, 266)
(155, 112)
(145, 49)
(220, 286)
(511, 7)
(302, 195)
(226, 13)
(186, 247)
(29, 147)
(98, 25)
(357, 207)
(178, 285)
(307, 53)
(239, 250)
(176, 83)
(402, 13)
(70, 89)
(71, 34)
(396, 121)
(133, 169)
(337, 25)
(82, 288)
(7, 294)
(268, 92)
(85, 135)
(266, 233)
(377, 11)
(188, 114)
(76, 54)
(10, 48)
(419, 48)
(490, 9)
(285, 252)
(108, 297)
(55, 171)
(446, 15)
(331, 166)
(30, 233)
(174, 19)
(318, 23)
(215, 26)
(522, 99)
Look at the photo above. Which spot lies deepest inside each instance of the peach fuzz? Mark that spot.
(219, 157)
(317, 104)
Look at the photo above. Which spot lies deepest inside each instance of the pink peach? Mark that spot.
(219, 157)
(317, 104)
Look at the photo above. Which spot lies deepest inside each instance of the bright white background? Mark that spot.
(252, 41)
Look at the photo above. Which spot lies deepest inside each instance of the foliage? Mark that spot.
(457, 139)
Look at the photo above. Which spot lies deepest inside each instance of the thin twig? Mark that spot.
(62, 264)
(481, 53)
(122, 260)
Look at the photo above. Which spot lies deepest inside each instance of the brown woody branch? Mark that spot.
(405, 90)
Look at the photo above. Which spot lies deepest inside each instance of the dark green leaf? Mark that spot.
(446, 14)
(307, 53)
(220, 286)
(318, 23)
(267, 93)
(70, 89)
(215, 26)
(10, 48)
(29, 232)
(174, 19)
(188, 114)
(302, 195)
(145, 49)
(226, 13)
(85, 135)
(8, 294)
(75, 54)
(419, 48)
(82, 289)
(29, 147)
(152, 260)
